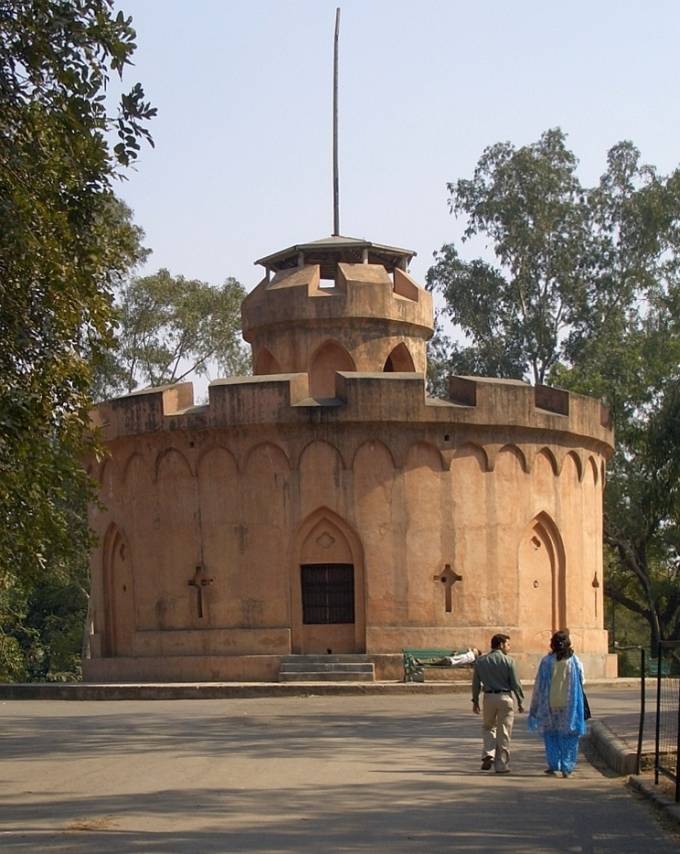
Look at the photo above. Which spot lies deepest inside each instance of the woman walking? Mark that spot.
(557, 705)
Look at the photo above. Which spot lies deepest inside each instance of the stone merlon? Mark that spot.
(361, 397)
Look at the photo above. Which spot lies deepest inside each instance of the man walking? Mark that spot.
(495, 674)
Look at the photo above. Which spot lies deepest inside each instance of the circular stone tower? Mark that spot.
(326, 504)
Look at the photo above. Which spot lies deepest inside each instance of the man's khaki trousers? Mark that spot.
(498, 715)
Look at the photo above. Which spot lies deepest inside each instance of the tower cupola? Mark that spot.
(338, 304)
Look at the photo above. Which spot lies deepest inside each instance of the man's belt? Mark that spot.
(508, 691)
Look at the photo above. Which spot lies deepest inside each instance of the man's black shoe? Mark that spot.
(487, 762)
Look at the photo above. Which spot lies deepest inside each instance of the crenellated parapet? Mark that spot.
(476, 408)
(359, 292)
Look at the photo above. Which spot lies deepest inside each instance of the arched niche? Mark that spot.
(541, 581)
(320, 472)
(177, 543)
(373, 470)
(107, 478)
(545, 454)
(572, 467)
(423, 455)
(327, 559)
(510, 457)
(266, 457)
(119, 594)
(134, 472)
(329, 358)
(370, 450)
(266, 493)
(469, 451)
(172, 464)
(266, 363)
(399, 360)
(217, 460)
(219, 493)
(421, 503)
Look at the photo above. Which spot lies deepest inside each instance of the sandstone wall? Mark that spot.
(459, 520)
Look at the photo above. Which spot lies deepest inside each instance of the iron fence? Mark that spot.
(666, 668)
(643, 696)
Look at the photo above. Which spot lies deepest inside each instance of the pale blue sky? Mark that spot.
(242, 164)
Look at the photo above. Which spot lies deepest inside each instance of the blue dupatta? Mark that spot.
(567, 720)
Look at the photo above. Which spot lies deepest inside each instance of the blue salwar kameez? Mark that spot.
(561, 728)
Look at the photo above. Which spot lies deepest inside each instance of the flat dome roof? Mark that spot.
(329, 251)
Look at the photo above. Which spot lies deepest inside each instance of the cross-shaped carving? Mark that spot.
(448, 577)
(199, 581)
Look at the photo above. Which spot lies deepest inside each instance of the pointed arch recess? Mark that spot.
(276, 452)
(215, 452)
(424, 454)
(373, 444)
(303, 453)
(106, 477)
(134, 459)
(324, 517)
(166, 456)
(266, 363)
(399, 360)
(470, 449)
(577, 463)
(550, 457)
(593, 469)
(328, 358)
(517, 453)
(118, 593)
(541, 562)
(266, 473)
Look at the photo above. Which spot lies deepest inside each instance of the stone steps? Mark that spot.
(326, 668)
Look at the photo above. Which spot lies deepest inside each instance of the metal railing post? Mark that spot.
(643, 710)
(658, 716)
(643, 695)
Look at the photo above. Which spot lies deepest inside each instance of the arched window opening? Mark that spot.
(399, 360)
(328, 359)
(266, 363)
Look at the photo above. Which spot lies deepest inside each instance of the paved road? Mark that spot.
(321, 774)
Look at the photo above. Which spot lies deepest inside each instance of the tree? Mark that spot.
(170, 327)
(63, 246)
(528, 202)
(585, 294)
(640, 374)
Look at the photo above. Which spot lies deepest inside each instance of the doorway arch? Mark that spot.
(325, 548)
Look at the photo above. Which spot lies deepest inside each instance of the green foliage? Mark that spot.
(169, 327)
(528, 203)
(585, 294)
(64, 245)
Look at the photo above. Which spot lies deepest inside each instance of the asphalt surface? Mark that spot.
(317, 773)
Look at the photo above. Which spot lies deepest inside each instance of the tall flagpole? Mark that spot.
(336, 185)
